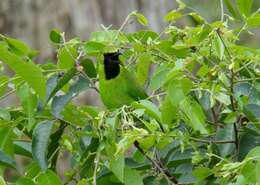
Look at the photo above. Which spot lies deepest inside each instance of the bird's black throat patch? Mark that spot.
(111, 65)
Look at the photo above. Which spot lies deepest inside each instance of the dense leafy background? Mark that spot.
(200, 124)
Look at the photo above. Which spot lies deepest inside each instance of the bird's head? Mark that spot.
(112, 57)
(111, 65)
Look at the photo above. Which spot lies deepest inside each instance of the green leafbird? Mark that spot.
(117, 85)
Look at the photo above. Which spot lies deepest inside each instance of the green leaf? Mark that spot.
(150, 108)
(6, 137)
(55, 36)
(53, 149)
(66, 57)
(178, 89)
(82, 182)
(18, 46)
(152, 126)
(132, 177)
(7, 160)
(181, 5)
(141, 19)
(219, 47)
(49, 178)
(25, 181)
(2, 181)
(51, 84)
(159, 76)
(142, 36)
(244, 6)
(147, 142)
(32, 170)
(247, 90)
(108, 37)
(247, 141)
(249, 172)
(231, 118)
(143, 67)
(254, 20)
(202, 173)
(117, 165)
(168, 110)
(40, 139)
(3, 84)
(23, 148)
(224, 79)
(193, 115)
(168, 47)
(74, 115)
(257, 172)
(252, 111)
(60, 83)
(59, 102)
(92, 47)
(29, 104)
(172, 16)
(4, 114)
(226, 133)
(29, 72)
(197, 17)
(254, 153)
(231, 8)
(89, 68)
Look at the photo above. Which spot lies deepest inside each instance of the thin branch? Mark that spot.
(123, 25)
(77, 63)
(93, 86)
(222, 10)
(216, 124)
(159, 167)
(95, 169)
(246, 80)
(234, 109)
(7, 94)
(232, 76)
(214, 115)
(224, 44)
(212, 141)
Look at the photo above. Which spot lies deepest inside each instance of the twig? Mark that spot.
(222, 10)
(7, 94)
(246, 80)
(95, 169)
(232, 75)
(159, 167)
(216, 124)
(123, 25)
(233, 108)
(77, 63)
(93, 86)
(224, 44)
(212, 141)
(214, 115)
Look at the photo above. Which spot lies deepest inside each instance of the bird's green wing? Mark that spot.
(134, 89)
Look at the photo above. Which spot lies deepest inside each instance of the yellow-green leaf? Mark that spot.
(172, 16)
(141, 19)
(49, 178)
(66, 57)
(29, 71)
(244, 6)
(2, 181)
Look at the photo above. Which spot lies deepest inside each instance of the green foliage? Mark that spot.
(199, 123)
